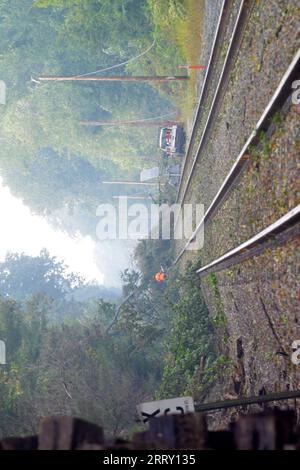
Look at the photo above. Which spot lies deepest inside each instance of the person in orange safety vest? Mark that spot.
(160, 276)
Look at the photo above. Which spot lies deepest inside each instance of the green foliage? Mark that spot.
(69, 38)
(213, 370)
(151, 255)
(75, 367)
(23, 276)
(164, 58)
(191, 364)
(65, 294)
(165, 13)
(68, 350)
(189, 341)
(220, 319)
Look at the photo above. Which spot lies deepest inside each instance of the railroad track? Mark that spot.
(279, 232)
(208, 76)
(245, 401)
(279, 228)
(194, 151)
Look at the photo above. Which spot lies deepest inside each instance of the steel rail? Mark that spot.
(243, 401)
(283, 229)
(222, 83)
(214, 52)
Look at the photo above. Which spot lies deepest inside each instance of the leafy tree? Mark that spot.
(46, 153)
(69, 368)
(22, 276)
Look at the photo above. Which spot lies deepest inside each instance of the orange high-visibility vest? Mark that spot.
(160, 277)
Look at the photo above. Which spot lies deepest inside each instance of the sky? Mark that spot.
(22, 232)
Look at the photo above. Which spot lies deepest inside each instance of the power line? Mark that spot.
(115, 78)
(155, 121)
(121, 64)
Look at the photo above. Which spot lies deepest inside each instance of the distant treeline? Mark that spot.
(46, 156)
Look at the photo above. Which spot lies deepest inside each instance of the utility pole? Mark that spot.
(113, 79)
(133, 197)
(135, 183)
(192, 67)
(129, 123)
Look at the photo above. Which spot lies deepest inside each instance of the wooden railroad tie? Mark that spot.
(269, 430)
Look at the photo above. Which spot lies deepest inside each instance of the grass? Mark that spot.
(189, 36)
(220, 318)
(189, 339)
(178, 29)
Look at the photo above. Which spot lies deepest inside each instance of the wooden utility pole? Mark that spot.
(114, 79)
(133, 197)
(129, 123)
(134, 183)
(191, 67)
